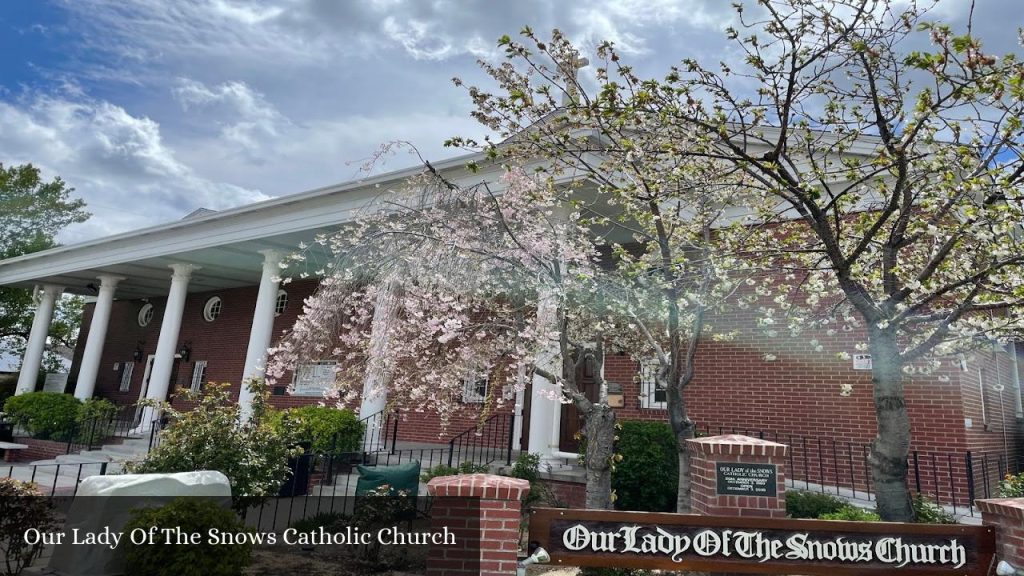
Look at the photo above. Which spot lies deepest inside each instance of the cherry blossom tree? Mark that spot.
(671, 233)
(892, 149)
(494, 280)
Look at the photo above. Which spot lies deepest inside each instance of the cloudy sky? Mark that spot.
(153, 108)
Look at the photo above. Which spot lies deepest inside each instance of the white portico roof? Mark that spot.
(226, 244)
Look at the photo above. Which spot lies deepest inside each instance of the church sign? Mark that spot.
(745, 479)
(759, 545)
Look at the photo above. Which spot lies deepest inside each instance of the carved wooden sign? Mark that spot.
(759, 545)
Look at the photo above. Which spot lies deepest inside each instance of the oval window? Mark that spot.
(146, 315)
(212, 309)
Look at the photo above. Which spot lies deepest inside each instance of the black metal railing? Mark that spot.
(952, 478)
(380, 431)
(484, 443)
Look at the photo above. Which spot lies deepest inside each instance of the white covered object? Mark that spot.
(104, 503)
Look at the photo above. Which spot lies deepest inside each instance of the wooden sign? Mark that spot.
(759, 545)
(746, 479)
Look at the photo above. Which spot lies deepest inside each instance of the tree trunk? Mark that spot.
(683, 501)
(599, 428)
(891, 446)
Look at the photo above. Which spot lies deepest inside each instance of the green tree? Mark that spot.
(32, 213)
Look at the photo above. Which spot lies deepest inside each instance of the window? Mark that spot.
(651, 394)
(314, 379)
(198, 375)
(126, 375)
(211, 310)
(145, 315)
(474, 388)
(281, 304)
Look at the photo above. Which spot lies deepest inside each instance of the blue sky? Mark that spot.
(152, 108)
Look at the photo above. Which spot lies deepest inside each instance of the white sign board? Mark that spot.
(862, 361)
(55, 382)
(313, 379)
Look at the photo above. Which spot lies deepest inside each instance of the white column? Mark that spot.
(93, 352)
(167, 344)
(545, 409)
(378, 376)
(37, 338)
(262, 329)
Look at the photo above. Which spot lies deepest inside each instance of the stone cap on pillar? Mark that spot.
(1006, 507)
(487, 486)
(736, 445)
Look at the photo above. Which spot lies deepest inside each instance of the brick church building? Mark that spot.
(198, 300)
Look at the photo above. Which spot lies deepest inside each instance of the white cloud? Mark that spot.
(245, 117)
(116, 161)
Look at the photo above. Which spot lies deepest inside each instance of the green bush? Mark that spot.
(1012, 486)
(95, 420)
(851, 513)
(45, 415)
(328, 430)
(163, 558)
(647, 478)
(445, 470)
(22, 506)
(928, 511)
(803, 504)
(253, 455)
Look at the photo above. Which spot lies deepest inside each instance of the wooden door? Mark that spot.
(572, 420)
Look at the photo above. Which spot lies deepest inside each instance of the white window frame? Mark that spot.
(198, 375)
(146, 314)
(280, 302)
(313, 378)
(213, 308)
(126, 376)
(471, 389)
(648, 385)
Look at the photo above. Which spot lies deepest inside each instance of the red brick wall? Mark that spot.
(736, 388)
(37, 450)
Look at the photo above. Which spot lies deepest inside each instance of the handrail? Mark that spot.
(495, 433)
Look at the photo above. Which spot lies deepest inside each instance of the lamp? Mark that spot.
(137, 353)
(185, 351)
(538, 555)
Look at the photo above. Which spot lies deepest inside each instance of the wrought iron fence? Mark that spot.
(484, 443)
(952, 478)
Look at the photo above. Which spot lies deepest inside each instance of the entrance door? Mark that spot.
(572, 420)
(144, 387)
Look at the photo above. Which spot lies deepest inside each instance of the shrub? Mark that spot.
(803, 504)
(1012, 486)
(328, 430)
(22, 506)
(161, 557)
(445, 470)
(928, 511)
(253, 455)
(853, 514)
(95, 417)
(45, 415)
(647, 478)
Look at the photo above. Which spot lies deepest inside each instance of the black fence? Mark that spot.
(843, 468)
(487, 442)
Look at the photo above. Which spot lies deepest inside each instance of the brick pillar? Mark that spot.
(735, 475)
(483, 513)
(1007, 516)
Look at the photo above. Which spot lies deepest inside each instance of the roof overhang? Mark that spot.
(226, 245)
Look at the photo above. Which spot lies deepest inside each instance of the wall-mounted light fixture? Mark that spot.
(185, 351)
(138, 352)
